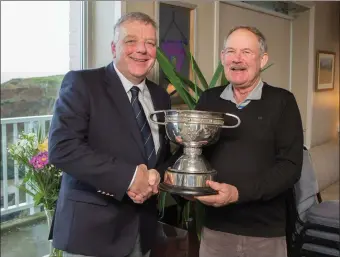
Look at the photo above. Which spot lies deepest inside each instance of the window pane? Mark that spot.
(40, 42)
(34, 55)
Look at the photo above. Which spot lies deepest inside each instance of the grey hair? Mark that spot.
(256, 32)
(132, 16)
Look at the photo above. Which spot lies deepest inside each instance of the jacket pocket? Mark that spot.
(86, 197)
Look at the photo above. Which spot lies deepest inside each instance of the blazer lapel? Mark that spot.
(116, 91)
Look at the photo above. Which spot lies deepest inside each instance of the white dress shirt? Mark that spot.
(145, 99)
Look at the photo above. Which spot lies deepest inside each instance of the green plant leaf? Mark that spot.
(186, 214)
(169, 71)
(190, 84)
(161, 202)
(199, 217)
(56, 253)
(195, 68)
(23, 188)
(216, 76)
(38, 198)
(224, 80)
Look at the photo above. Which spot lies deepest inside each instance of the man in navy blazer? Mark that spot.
(109, 152)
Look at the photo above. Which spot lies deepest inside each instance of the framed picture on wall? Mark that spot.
(325, 62)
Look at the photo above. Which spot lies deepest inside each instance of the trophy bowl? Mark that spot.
(194, 130)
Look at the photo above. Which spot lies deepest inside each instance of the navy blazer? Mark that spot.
(94, 139)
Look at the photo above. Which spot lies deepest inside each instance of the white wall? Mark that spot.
(278, 43)
(325, 118)
(75, 36)
(102, 17)
(90, 43)
(325, 104)
(299, 66)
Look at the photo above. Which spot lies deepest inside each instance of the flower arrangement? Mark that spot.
(42, 179)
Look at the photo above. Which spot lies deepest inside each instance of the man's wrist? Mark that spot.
(133, 178)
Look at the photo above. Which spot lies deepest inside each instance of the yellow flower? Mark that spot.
(43, 146)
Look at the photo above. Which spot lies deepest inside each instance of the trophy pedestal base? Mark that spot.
(185, 182)
(189, 191)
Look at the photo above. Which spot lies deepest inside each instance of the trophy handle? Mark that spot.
(156, 122)
(234, 116)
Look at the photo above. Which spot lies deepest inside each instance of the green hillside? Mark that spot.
(29, 96)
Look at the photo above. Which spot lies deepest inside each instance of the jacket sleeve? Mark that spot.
(68, 142)
(289, 156)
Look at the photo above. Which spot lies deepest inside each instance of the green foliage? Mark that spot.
(182, 84)
(169, 71)
(162, 197)
(195, 68)
(42, 180)
(56, 253)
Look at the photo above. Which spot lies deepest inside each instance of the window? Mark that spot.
(40, 42)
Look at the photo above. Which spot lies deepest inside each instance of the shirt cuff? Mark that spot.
(133, 178)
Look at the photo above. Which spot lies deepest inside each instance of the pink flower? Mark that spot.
(40, 160)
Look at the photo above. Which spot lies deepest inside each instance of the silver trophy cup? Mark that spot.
(192, 129)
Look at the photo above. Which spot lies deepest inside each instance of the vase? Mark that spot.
(49, 216)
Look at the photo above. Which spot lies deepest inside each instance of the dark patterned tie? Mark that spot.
(143, 126)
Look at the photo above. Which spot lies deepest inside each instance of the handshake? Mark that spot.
(144, 185)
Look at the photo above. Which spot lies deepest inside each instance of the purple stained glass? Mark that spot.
(174, 49)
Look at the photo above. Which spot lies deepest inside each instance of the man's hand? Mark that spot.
(154, 179)
(226, 194)
(151, 179)
(140, 189)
